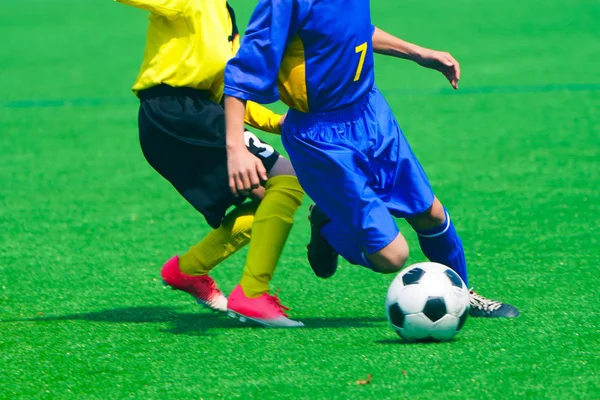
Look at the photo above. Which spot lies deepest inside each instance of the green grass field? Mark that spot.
(85, 223)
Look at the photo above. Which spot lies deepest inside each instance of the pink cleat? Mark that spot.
(203, 288)
(265, 310)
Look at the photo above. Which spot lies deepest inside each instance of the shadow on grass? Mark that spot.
(194, 324)
(400, 342)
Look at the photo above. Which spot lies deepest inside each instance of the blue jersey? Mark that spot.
(314, 55)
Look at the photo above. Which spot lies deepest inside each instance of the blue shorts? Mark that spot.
(356, 164)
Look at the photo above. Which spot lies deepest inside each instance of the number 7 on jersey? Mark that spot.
(362, 49)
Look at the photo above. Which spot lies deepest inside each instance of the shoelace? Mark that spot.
(483, 303)
(211, 283)
(276, 302)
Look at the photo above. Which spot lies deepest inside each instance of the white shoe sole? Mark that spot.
(211, 307)
(204, 304)
(281, 322)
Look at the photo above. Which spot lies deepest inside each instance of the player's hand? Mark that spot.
(246, 171)
(443, 62)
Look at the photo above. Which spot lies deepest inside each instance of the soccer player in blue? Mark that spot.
(348, 151)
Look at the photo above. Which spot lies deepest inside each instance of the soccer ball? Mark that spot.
(427, 301)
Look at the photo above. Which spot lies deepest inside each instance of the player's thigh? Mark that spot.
(188, 152)
(199, 174)
(335, 177)
(401, 178)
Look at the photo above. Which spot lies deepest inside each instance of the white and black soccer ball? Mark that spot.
(427, 301)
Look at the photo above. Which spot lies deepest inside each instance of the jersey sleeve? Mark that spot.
(252, 73)
(167, 8)
(262, 118)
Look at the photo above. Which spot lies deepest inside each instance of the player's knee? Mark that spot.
(392, 258)
(393, 263)
(282, 166)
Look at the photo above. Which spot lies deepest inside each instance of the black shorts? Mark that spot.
(182, 135)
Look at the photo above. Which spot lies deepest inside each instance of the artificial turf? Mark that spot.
(85, 223)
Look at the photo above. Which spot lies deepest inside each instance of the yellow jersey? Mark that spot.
(188, 44)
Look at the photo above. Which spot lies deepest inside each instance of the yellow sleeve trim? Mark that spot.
(262, 118)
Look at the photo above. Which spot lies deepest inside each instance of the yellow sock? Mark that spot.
(272, 223)
(232, 235)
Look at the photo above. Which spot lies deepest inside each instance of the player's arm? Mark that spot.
(262, 118)
(167, 8)
(384, 43)
(256, 115)
(252, 76)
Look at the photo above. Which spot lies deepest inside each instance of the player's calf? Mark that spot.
(430, 219)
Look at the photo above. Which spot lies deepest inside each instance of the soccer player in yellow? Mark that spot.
(182, 135)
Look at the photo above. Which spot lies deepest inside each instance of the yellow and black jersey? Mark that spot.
(188, 44)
